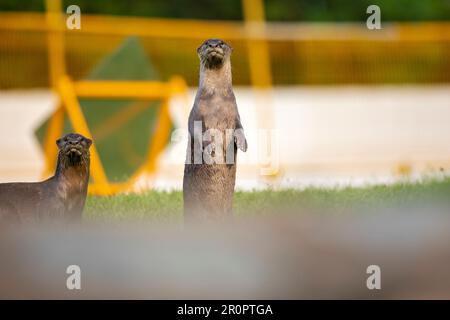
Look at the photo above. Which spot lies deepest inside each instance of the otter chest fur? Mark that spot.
(215, 134)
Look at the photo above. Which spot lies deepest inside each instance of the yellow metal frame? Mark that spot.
(233, 30)
(69, 92)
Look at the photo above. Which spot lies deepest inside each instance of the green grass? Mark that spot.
(168, 206)
(162, 206)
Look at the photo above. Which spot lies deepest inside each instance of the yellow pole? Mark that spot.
(260, 69)
(75, 114)
(55, 41)
(178, 90)
(160, 137)
(56, 65)
(53, 132)
(259, 58)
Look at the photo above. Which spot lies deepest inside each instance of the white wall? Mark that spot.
(326, 135)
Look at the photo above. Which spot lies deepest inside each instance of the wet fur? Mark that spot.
(208, 188)
(61, 197)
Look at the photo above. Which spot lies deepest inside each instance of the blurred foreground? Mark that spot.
(281, 256)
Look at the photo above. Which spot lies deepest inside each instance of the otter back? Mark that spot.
(62, 197)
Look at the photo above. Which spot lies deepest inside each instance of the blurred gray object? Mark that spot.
(284, 256)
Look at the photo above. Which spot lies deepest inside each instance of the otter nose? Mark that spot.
(214, 44)
(73, 142)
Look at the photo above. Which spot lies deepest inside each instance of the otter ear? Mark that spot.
(59, 143)
(199, 48)
(88, 142)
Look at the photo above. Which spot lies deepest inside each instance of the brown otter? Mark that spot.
(61, 197)
(215, 133)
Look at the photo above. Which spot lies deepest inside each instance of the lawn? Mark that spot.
(168, 206)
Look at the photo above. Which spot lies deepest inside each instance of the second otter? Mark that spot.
(61, 197)
(215, 132)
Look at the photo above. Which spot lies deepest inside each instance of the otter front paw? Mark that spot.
(239, 139)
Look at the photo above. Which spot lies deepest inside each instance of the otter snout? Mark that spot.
(211, 50)
(73, 146)
(215, 53)
(215, 47)
(74, 149)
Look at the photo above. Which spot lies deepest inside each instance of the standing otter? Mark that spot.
(61, 197)
(215, 133)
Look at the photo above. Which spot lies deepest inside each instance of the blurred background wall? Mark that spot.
(349, 105)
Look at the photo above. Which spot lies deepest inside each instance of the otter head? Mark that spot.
(213, 53)
(73, 149)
